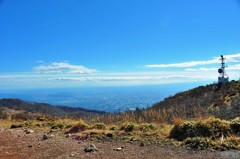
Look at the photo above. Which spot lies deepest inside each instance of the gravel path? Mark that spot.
(22, 144)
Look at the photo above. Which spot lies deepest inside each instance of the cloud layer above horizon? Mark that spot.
(229, 58)
(63, 67)
(58, 74)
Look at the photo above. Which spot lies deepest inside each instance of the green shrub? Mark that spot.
(129, 127)
(213, 128)
(146, 127)
(183, 131)
(200, 143)
(218, 127)
(80, 127)
(16, 126)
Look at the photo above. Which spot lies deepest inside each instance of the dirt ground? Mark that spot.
(21, 144)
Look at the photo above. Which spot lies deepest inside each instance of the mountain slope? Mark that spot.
(219, 100)
(222, 101)
(45, 108)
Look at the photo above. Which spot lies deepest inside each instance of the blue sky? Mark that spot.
(55, 43)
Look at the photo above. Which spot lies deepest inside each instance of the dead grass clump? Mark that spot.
(200, 143)
(129, 127)
(183, 131)
(147, 127)
(213, 128)
(99, 126)
(13, 126)
(217, 127)
(79, 127)
(235, 125)
(58, 126)
(178, 120)
(231, 143)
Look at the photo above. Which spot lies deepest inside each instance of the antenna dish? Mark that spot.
(220, 70)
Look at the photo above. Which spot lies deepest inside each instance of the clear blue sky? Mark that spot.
(50, 43)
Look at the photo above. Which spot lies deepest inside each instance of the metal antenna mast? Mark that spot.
(222, 72)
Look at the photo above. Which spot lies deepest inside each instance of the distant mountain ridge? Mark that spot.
(45, 108)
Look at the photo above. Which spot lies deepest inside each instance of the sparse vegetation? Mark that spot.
(99, 126)
(210, 133)
(235, 125)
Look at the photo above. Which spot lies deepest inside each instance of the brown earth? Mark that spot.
(17, 144)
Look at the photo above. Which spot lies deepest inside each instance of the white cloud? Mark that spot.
(60, 74)
(233, 58)
(228, 68)
(184, 64)
(234, 67)
(201, 69)
(229, 58)
(63, 67)
(137, 76)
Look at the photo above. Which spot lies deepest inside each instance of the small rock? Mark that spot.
(52, 135)
(90, 148)
(30, 146)
(69, 135)
(118, 149)
(29, 131)
(142, 144)
(72, 155)
(45, 137)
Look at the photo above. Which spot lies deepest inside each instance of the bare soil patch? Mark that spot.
(18, 144)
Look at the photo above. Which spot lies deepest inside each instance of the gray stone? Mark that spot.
(118, 149)
(45, 137)
(29, 131)
(90, 148)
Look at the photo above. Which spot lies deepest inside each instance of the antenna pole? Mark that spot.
(222, 72)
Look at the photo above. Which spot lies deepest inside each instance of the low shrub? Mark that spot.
(57, 126)
(183, 131)
(129, 127)
(200, 143)
(213, 128)
(235, 125)
(80, 127)
(99, 126)
(231, 143)
(16, 126)
(110, 135)
(146, 127)
(113, 128)
(217, 127)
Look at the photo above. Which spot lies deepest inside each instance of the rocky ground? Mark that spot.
(22, 143)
